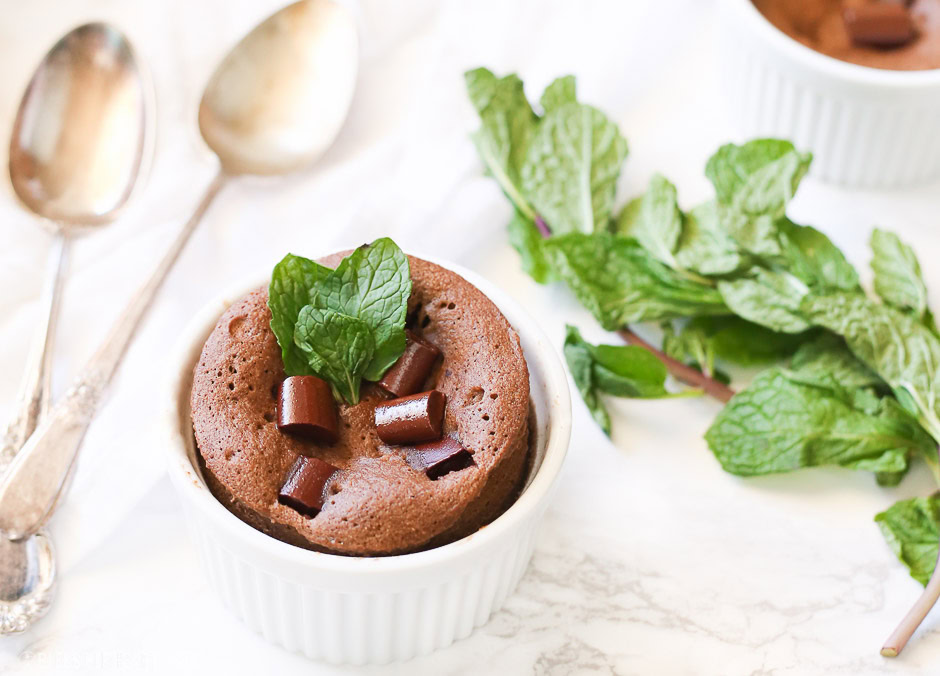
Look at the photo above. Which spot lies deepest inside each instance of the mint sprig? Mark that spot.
(853, 380)
(343, 325)
(618, 370)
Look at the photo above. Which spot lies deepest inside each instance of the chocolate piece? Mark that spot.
(438, 458)
(880, 25)
(408, 374)
(305, 406)
(303, 488)
(412, 419)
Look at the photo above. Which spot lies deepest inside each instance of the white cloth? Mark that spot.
(651, 560)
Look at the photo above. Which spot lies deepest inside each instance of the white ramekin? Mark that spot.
(866, 127)
(369, 610)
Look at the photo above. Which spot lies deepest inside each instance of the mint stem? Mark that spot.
(899, 638)
(542, 226)
(916, 615)
(687, 374)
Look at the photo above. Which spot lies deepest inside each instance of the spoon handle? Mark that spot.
(36, 478)
(35, 392)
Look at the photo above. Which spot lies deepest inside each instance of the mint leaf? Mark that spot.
(628, 371)
(526, 239)
(758, 178)
(753, 184)
(704, 246)
(691, 343)
(889, 479)
(373, 283)
(654, 220)
(898, 280)
(619, 370)
(896, 346)
(755, 234)
(829, 355)
(912, 530)
(620, 282)
(390, 342)
(813, 258)
(581, 364)
(767, 297)
(561, 91)
(781, 423)
(338, 347)
(739, 341)
(507, 125)
(695, 347)
(289, 291)
(571, 168)
(893, 344)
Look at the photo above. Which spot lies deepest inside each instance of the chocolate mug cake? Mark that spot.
(433, 450)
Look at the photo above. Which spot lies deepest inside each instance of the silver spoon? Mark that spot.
(274, 105)
(78, 144)
(75, 155)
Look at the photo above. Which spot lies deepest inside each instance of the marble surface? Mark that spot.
(651, 559)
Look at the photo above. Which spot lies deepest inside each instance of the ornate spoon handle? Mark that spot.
(33, 399)
(36, 477)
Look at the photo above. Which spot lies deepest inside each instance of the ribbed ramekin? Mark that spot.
(866, 127)
(369, 610)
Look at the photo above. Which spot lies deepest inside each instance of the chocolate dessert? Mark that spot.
(433, 450)
(890, 34)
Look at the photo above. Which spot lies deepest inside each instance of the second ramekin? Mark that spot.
(866, 127)
(369, 610)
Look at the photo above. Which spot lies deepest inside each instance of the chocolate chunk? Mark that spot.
(411, 420)
(303, 489)
(408, 374)
(880, 24)
(438, 458)
(305, 406)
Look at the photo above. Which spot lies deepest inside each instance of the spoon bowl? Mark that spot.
(79, 136)
(27, 581)
(263, 110)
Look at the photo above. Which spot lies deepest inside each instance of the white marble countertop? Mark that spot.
(651, 559)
